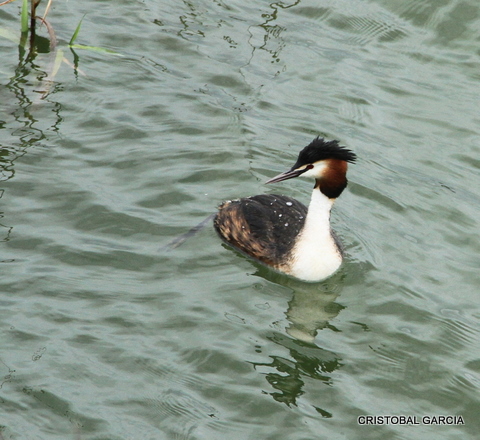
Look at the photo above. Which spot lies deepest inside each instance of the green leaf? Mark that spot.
(95, 49)
(24, 16)
(77, 30)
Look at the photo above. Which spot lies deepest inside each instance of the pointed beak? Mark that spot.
(286, 175)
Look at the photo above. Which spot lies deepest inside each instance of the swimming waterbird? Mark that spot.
(280, 231)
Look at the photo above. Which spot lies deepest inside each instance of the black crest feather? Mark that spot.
(320, 149)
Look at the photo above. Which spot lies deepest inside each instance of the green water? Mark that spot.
(107, 335)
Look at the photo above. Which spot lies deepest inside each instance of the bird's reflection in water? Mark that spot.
(288, 375)
(312, 308)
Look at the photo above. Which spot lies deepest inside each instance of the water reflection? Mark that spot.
(310, 309)
(24, 129)
(306, 361)
(312, 305)
(273, 41)
(28, 94)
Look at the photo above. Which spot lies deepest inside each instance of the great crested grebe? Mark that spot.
(283, 233)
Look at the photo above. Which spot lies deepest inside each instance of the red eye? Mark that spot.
(309, 167)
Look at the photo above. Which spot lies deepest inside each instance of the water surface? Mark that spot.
(107, 335)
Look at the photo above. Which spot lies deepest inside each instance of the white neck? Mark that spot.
(316, 255)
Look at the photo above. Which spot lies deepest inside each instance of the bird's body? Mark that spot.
(283, 233)
(263, 226)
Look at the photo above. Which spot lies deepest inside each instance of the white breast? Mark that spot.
(316, 256)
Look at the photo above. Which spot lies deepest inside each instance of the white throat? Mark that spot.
(316, 255)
